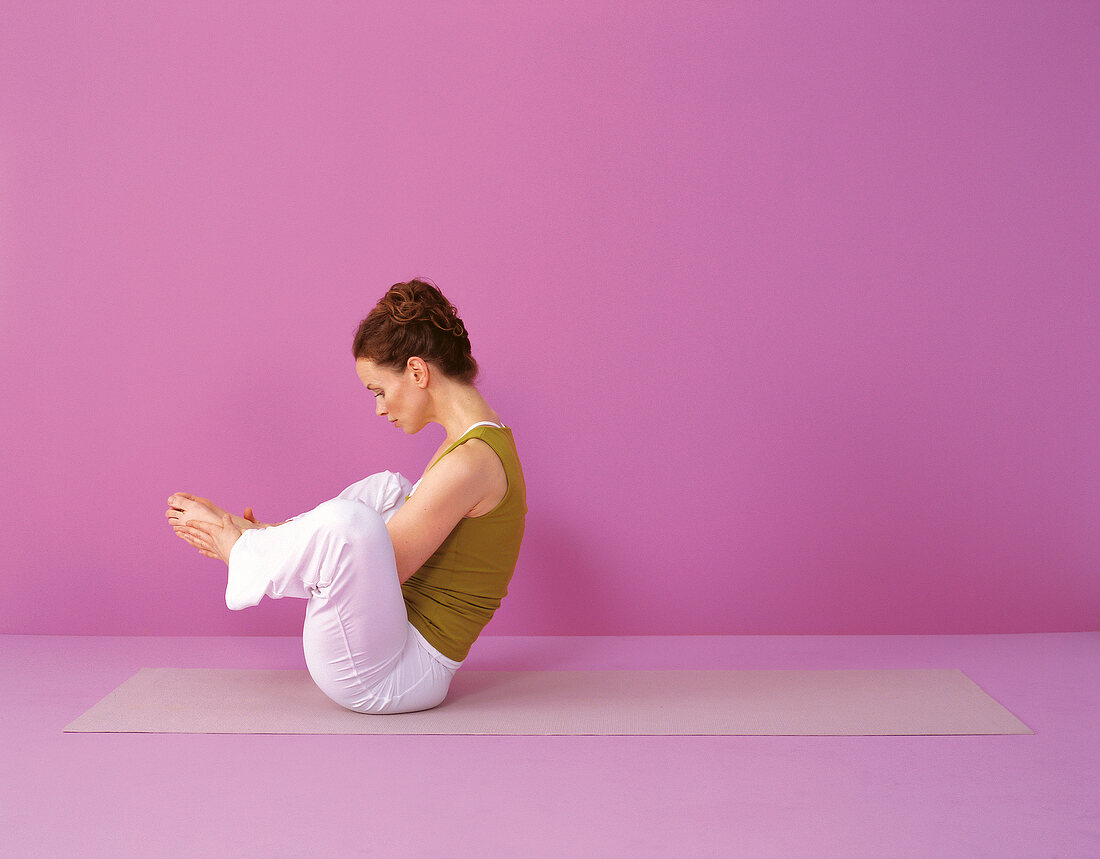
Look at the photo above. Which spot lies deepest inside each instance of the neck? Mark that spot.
(458, 407)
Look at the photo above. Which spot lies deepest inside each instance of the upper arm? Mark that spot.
(448, 491)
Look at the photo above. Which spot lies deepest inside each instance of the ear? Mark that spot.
(420, 370)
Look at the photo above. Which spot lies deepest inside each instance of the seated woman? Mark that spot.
(401, 578)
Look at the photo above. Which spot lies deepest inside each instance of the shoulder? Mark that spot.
(474, 466)
(466, 465)
(478, 449)
(482, 456)
(474, 460)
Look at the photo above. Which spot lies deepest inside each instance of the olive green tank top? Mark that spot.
(454, 594)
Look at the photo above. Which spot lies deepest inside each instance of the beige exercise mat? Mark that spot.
(785, 702)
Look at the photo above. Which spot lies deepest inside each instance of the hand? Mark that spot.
(199, 541)
(213, 540)
(202, 542)
(184, 508)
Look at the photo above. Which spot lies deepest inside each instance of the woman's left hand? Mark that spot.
(220, 538)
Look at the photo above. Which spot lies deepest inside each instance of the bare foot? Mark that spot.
(184, 508)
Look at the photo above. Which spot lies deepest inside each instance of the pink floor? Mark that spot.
(262, 795)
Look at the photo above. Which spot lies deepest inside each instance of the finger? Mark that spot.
(202, 537)
(206, 550)
(195, 540)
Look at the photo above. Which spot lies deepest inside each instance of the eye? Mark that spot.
(376, 396)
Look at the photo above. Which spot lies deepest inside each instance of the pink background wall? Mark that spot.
(793, 308)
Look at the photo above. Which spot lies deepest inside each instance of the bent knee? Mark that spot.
(342, 514)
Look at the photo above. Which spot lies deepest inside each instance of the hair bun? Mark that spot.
(415, 318)
(405, 310)
(418, 301)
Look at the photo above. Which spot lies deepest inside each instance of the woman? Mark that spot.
(401, 578)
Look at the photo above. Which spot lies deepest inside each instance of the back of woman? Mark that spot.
(457, 590)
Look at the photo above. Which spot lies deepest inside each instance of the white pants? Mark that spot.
(359, 646)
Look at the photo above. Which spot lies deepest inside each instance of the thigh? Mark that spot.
(415, 681)
(356, 625)
(383, 492)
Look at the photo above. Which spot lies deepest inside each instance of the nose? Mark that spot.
(379, 410)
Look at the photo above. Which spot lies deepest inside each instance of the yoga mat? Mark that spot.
(765, 702)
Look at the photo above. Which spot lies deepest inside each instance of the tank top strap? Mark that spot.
(464, 434)
(483, 424)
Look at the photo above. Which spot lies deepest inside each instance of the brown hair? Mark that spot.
(415, 318)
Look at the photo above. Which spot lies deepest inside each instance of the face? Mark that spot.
(397, 396)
